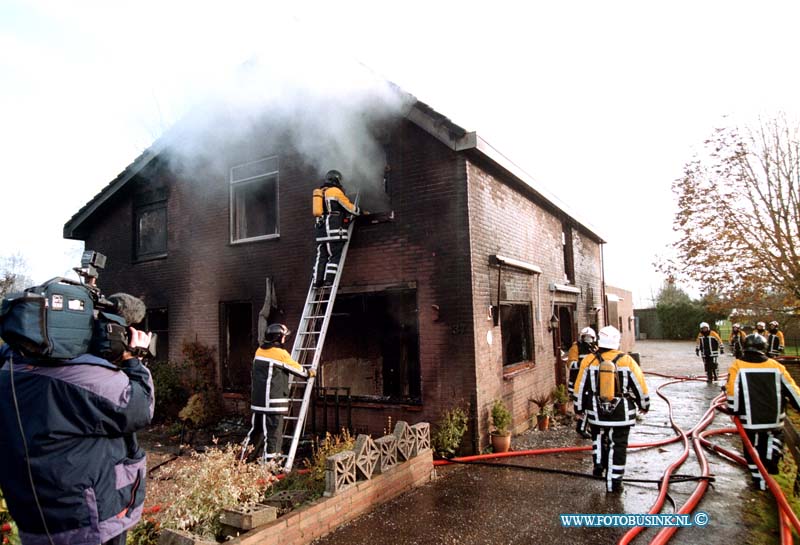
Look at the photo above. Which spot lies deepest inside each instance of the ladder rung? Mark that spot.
(309, 333)
(313, 317)
(290, 418)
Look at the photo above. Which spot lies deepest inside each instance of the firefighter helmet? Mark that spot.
(737, 326)
(773, 323)
(755, 343)
(704, 325)
(761, 325)
(608, 337)
(333, 177)
(276, 333)
(588, 332)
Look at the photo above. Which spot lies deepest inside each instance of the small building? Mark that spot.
(620, 315)
(460, 287)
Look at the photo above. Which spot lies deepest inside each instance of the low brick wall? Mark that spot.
(317, 519)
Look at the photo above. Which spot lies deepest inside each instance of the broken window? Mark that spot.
(237, 348)
(372, 346)
(254, 200)
(157, 321)
(150, 225)
(517, 332)
(569, 258)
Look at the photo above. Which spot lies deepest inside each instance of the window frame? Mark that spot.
(531, 338)
(138, 256)
(270, 176)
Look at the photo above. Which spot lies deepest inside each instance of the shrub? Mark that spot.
(501, 417)
(330, 445)
(171, 392)
(216, 481)
(559, 394)
(9, 533)
(450, 429)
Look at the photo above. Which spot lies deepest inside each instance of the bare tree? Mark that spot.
(14, 275)
(738, 218)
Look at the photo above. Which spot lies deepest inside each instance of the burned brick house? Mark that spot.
(459, 287)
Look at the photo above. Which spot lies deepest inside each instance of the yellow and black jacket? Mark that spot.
(335, 213)
(631, 385)
(737, 337)
(709, 345)
(757, 391)
(774, 343)
(270, 382)
(575, 355)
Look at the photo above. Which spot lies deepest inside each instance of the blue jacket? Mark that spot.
(78, 419)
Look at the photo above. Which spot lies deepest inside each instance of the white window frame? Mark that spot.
(248, 173)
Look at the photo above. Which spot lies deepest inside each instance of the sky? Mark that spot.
(601, 102)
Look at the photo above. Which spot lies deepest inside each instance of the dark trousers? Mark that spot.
(269, 425)
(769, 447)
(610, 452)
(710, 367)
(326, 264)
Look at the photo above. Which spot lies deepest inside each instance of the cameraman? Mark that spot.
(71, 469)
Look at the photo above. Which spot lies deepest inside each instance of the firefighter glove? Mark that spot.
(696, 351)
(312, 373)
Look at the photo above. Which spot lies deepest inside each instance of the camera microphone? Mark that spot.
(129, 308)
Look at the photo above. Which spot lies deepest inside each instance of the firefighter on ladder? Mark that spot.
(609, 387)
(585, 345)
(709, 346)
(333, 212)
(774, 340)
(757, 390)
(736, 340)
(269, 395)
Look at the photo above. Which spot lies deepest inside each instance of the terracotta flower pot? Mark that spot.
(501, 443)
(543, 422)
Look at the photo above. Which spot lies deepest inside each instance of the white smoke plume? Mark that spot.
(302, 98)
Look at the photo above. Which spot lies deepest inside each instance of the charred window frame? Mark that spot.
(569, 256)
(254, 201)
(376, 350)
(150, 231)
(157, 321)
(516, 328)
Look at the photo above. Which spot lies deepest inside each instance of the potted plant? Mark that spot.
(544, 402)
(501, 420)
(561, 398)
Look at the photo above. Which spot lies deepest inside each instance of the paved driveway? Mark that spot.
(491, 505)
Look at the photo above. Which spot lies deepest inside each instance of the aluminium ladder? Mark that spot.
(307, 349)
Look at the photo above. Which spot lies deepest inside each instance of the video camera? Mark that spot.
(63, 319)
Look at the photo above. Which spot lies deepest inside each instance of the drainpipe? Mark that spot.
(604, 303)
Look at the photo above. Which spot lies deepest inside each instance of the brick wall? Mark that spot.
(425, 246)
(508, 220)
(326, 514)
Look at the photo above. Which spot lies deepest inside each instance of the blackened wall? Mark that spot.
(425, 246)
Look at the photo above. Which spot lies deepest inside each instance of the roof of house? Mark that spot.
(422, 115)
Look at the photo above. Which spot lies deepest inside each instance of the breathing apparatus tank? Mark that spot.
(608, 380)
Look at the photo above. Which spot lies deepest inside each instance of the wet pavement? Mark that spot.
(478, 504)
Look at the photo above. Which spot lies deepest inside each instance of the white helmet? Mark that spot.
(609, 337)
(737, 326)
(704, 324)
(773, 323)
(761, 325)
(588, 332)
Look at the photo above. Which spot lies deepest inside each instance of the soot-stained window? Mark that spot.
(254, 200)
(517, 332)
(150, 224)
(372, 346)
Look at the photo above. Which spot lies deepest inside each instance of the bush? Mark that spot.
(171, 392)
(560, 395)
(216, 481)
(450, 429)
(501, 417)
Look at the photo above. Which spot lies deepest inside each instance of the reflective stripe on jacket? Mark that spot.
(270, 381)
(757, 392)
(632, 385)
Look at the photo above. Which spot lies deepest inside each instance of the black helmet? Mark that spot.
(333, 177)
(275, 332)
(755, 343)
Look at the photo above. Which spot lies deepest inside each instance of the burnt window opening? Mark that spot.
(150, 231)
(569, 257)
(156, 320)
(236, 345)
(375, 195)
(254, 200)
(372, 346)
(517, 332)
